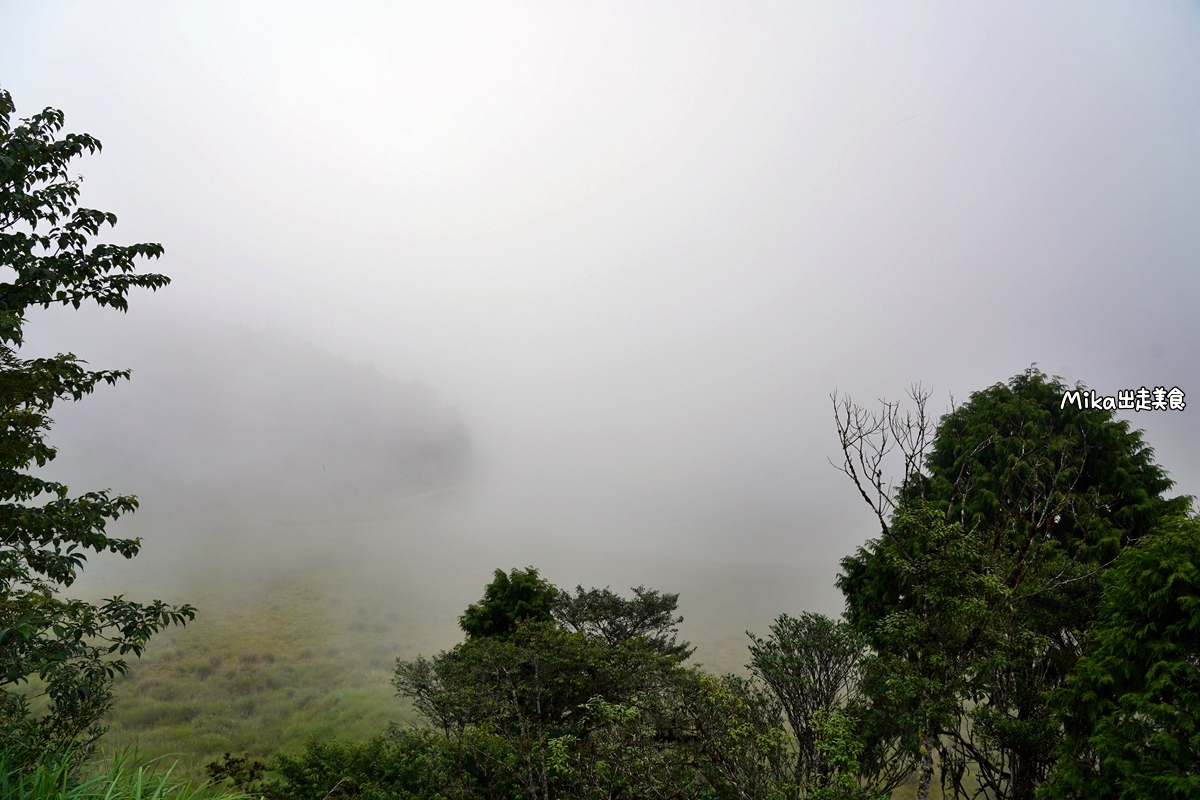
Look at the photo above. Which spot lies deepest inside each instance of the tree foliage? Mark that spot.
(49, 258)
(398, 764)
(649, 615)
(510, 599)
(1041, 496)
(1052, 490)
(540, 687)
(1132, 708)
(596, 702)
(930, 650)
(812, 664)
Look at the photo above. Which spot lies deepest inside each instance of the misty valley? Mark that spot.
(533, 403)
(321, 519)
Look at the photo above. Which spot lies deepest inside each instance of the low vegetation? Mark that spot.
(120, 775)
(299, 658)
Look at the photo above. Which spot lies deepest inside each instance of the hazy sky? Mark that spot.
(638, 244)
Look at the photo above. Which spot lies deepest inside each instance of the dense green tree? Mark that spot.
(531, 688)
(743, 750)
(928, 651)
(1049, 494)
(596, 702)
(811, 663)
(48, 258)
(510, 599)
(528, 679)
(1132, 707)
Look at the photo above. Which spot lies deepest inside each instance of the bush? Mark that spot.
(399, 764)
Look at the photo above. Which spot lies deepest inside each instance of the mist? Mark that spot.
(465, 286)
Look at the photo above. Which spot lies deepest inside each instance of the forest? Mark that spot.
(1024, 623)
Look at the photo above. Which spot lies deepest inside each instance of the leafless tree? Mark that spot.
(870, 440)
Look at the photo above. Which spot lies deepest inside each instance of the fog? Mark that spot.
(464, 286)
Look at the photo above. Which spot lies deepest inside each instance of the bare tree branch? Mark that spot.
(867, 439)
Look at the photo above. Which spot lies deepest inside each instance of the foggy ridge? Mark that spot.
(254, 412)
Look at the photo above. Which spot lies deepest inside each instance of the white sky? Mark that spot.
(638, 244)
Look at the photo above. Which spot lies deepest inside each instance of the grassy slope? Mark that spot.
(260, 674)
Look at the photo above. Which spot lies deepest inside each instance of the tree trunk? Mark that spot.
(926, 768)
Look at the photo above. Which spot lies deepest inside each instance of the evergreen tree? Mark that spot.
(1048, 494)
(520, 596)
(1132, 708)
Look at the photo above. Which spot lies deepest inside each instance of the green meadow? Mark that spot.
(300, 659)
